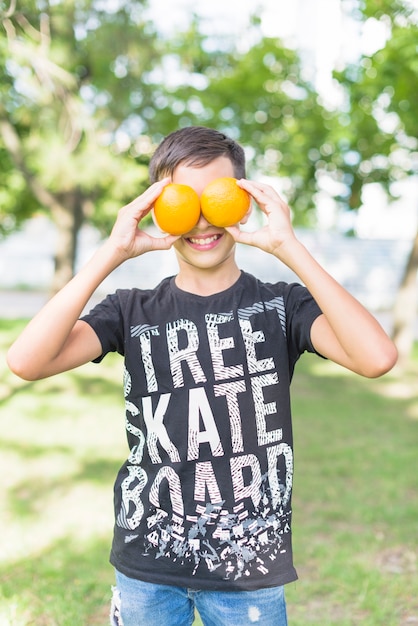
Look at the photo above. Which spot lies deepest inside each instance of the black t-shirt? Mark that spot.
(204, 499)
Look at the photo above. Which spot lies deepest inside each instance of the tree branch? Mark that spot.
(13, 145)
(10, 11)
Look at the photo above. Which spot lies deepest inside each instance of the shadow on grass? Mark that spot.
(27, 498)
(96, 386)
(355, 498)
(357, 441)
(13, 389)
(32, 450)
(67, 584)
(81, 383)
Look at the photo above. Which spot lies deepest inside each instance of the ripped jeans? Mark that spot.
(137, 603)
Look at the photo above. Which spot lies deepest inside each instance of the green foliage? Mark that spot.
(257, 95)
(70, 70)
(261, 98)
(379, 128)
(89, 88)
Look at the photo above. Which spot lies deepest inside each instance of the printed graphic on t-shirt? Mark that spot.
(234, 515)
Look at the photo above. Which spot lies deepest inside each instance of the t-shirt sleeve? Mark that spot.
(107, 322)
(301, 312)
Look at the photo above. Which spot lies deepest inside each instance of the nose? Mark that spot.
(202, 222)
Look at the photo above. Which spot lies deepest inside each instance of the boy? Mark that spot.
(203, 502)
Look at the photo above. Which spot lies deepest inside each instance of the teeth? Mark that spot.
(202, 242)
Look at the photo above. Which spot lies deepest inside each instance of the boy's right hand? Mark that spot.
(127, 239)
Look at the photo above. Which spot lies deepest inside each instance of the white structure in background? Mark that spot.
(370, 269)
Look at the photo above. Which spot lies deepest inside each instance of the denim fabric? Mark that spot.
(145, 604)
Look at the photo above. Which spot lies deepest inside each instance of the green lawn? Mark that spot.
(355, 497)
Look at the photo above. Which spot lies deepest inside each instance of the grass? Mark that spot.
(355, 496)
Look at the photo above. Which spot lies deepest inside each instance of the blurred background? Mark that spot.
(323, 95)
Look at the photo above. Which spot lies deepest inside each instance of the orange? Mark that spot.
(224, 203)
(177, 209)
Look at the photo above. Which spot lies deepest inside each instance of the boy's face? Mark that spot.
(205, 246)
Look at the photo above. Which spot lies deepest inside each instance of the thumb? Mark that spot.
(240, 236)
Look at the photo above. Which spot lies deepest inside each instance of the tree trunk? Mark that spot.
(405, 310)
(68, 218)
(66, 210)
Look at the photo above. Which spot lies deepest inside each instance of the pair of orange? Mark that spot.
(223, 203)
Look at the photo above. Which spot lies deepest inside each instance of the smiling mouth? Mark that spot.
(203, 241)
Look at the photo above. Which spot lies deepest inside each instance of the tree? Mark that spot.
(88, 92)
(70, 72)
(379, 132)
(262, 99)
(256, 95)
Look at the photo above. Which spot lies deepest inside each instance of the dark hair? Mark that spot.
(195, 145)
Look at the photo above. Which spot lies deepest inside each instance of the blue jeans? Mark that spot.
(137, 603)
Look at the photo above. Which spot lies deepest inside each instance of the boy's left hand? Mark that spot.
(346, 332)
(278, 231)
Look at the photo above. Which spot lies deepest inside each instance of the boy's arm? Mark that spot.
(55, 340)
(346, 332)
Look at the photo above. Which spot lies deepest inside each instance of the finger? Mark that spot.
(142, 204)
(240, 236)
(245, 183)
(164, 243)
(152, 193)
(261, 192)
